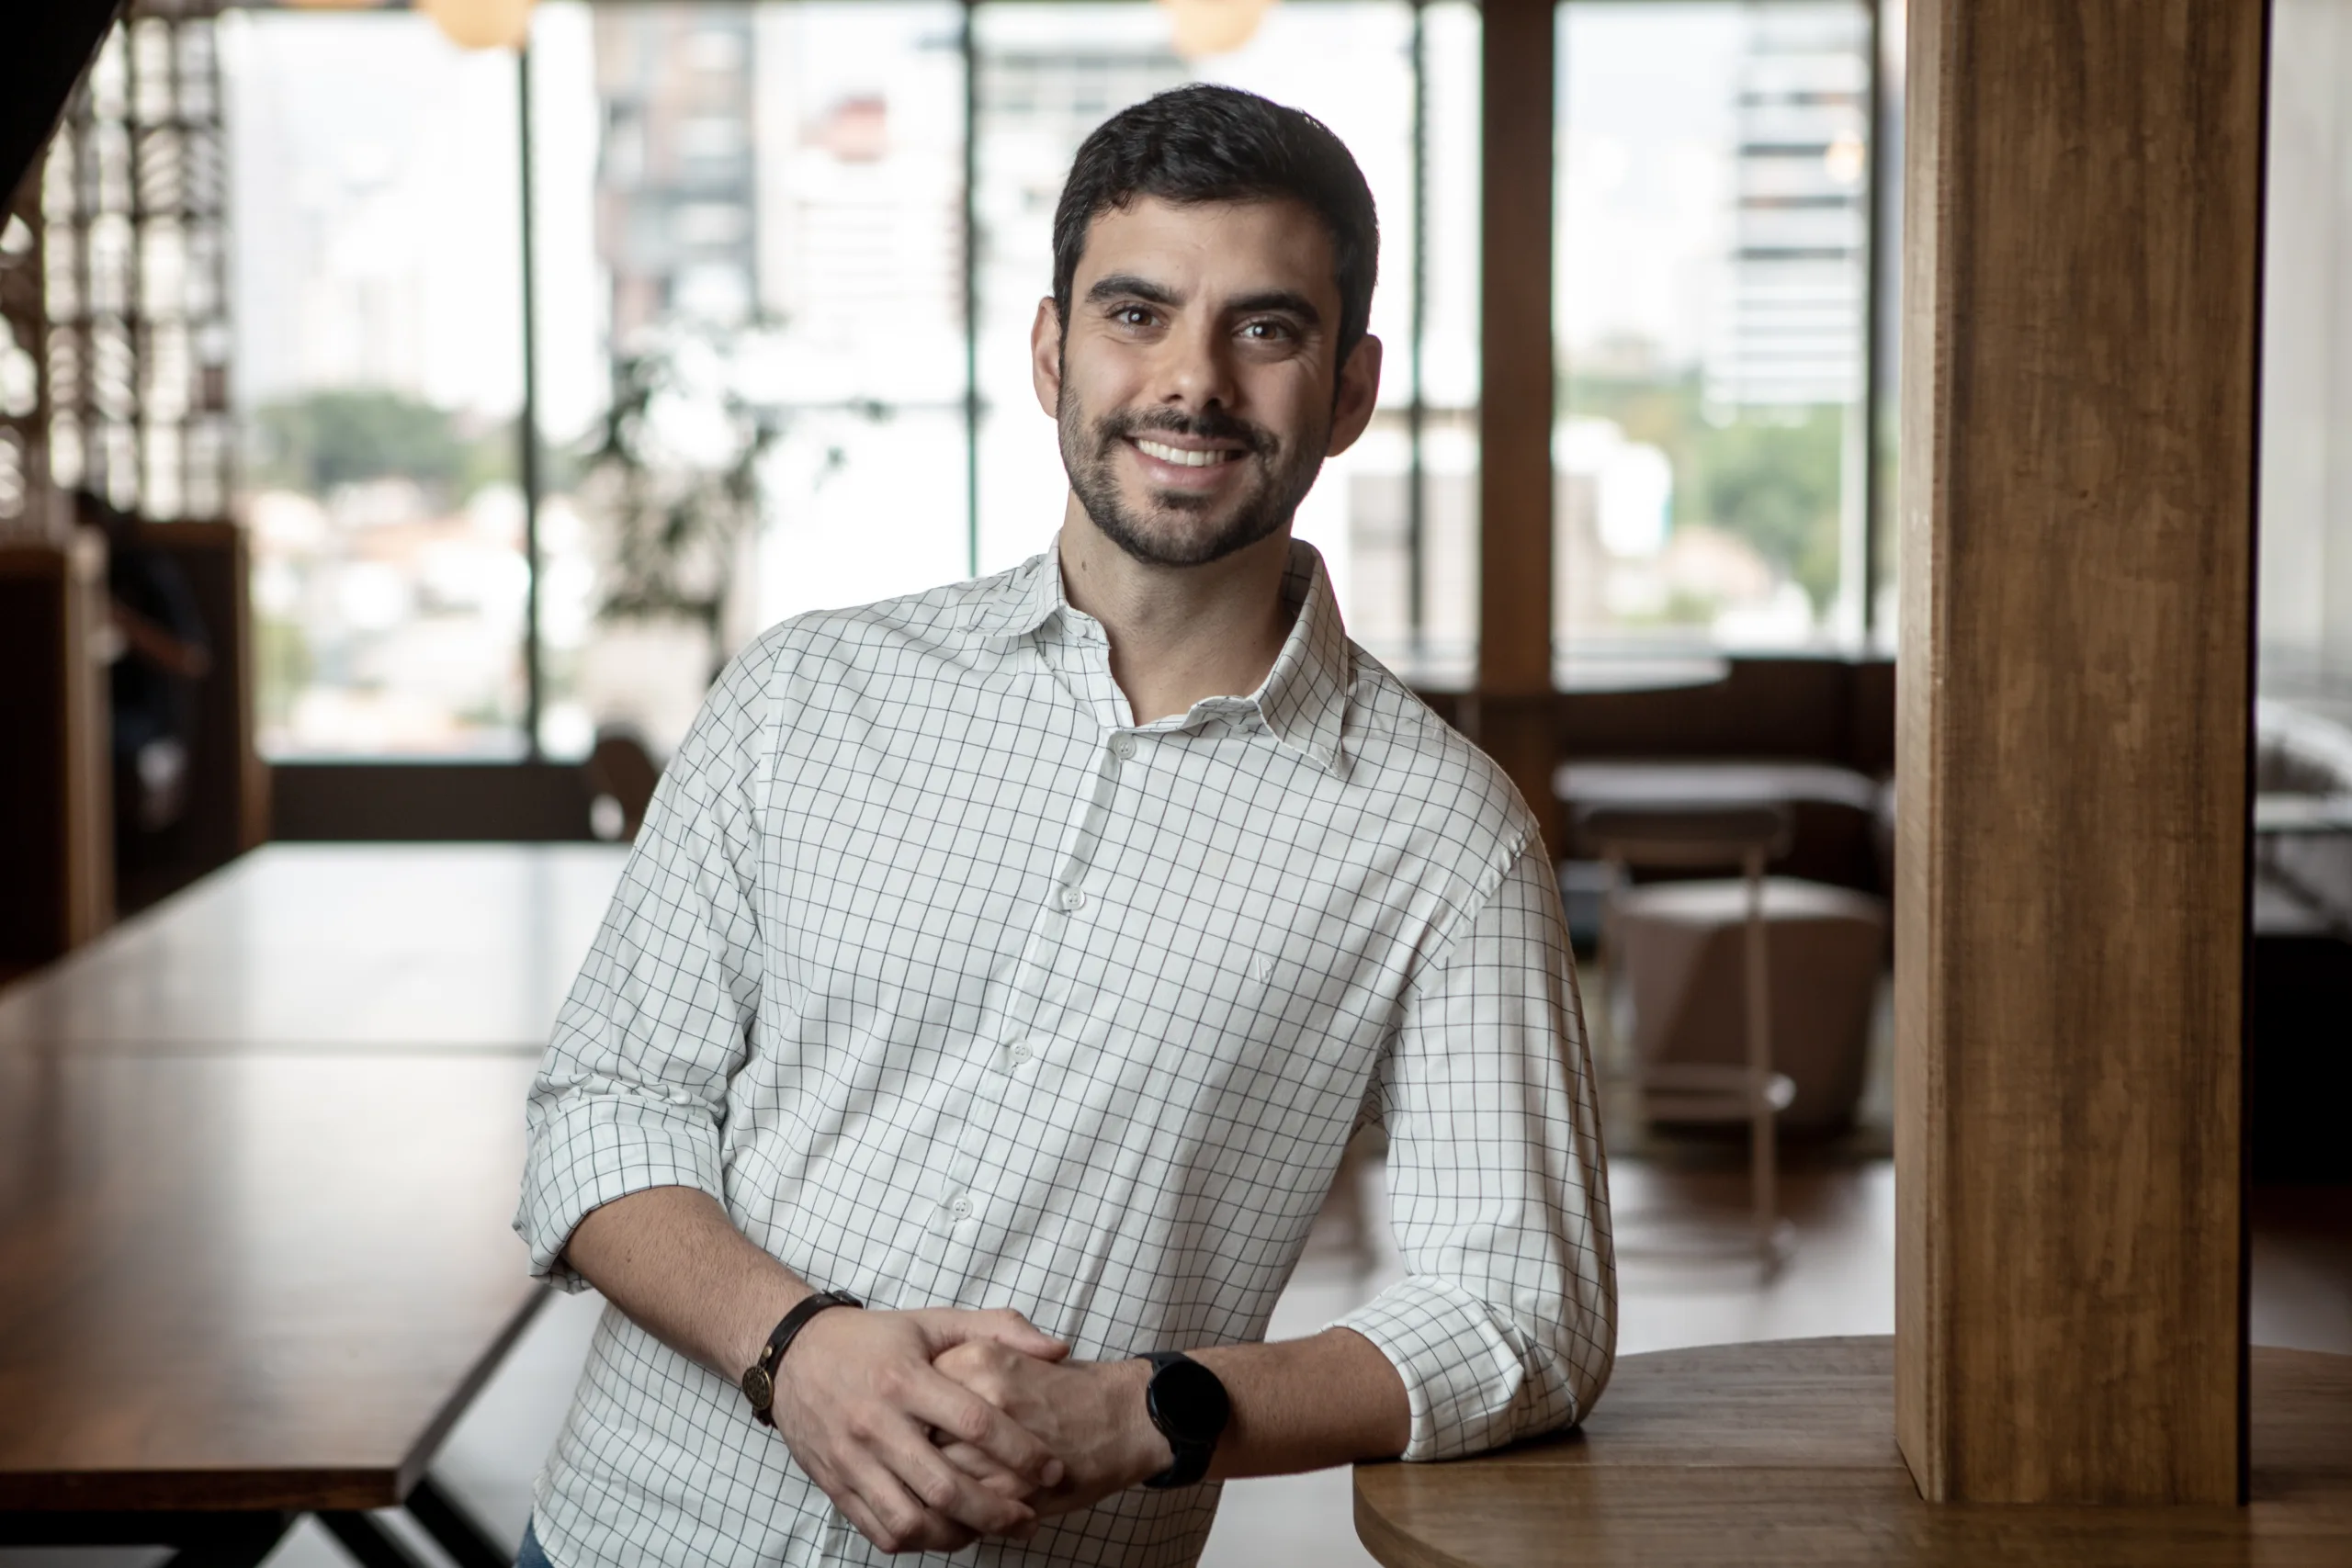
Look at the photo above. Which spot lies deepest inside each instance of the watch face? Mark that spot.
(1190, 1401)
(759, 1388)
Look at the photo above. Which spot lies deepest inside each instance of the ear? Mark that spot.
(1046, 357)
(1359, 394)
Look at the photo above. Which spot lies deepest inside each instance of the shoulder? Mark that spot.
(824, 660)
(862, 650)
(1466, 814)
(940, 621)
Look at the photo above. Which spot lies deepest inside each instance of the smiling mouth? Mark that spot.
(1183, 456)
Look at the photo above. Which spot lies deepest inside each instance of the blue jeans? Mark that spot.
(533, 1555)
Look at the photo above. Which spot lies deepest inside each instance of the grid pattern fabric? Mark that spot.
(956, 987)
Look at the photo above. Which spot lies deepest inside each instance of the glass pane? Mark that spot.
(753, 215)
(1710, 286)
(1049, 73)
(1886, 262)
(378, 341)
(2305, 626)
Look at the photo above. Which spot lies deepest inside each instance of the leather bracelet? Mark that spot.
(759, 1378)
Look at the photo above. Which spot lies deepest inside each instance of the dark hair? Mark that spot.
(1205, 143)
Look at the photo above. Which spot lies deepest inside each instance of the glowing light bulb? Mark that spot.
(481, 24)
(1215, 27)
(1845, 158)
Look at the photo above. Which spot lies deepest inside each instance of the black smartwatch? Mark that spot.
(1188, 1406)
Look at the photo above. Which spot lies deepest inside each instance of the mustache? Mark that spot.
(1211, 425)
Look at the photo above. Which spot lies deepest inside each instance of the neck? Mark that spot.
(1179, 634)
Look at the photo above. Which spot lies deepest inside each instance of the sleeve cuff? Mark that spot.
(588, 1149)
(1475, 1382)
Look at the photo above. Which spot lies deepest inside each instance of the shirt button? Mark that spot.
(1021, 1053)
(1073, 899)
(961, 1208)
(1124, 748)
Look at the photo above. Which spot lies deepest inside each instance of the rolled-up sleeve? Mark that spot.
(632, 1091)
(1506, 1325)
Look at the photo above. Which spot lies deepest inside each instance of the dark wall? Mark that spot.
(220, 819)
(32, 770)
(422, 801)
(1827, 710)
(1809, 709)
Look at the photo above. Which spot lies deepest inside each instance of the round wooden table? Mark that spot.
(1784, 1453)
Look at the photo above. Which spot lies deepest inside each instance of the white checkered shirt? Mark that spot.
(959, 988)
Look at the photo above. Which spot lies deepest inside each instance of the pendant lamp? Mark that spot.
(1215, 27)
(481, 24)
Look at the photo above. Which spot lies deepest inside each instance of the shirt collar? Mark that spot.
(1304, 699)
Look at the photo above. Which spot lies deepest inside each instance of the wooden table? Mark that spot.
(258, 1153)
(1783, 1453)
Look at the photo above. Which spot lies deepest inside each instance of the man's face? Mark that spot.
(1195, 384)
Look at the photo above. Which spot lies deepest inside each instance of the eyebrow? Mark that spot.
(1127, 285)
(1286, 300)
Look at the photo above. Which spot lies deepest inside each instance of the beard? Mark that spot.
(1175, 528)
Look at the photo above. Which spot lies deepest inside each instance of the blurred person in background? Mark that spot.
(161, 655)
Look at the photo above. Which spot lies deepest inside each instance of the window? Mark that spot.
(373, 193)
(753, 216)
(1714, 206)
(2305, 626)
(784, 259)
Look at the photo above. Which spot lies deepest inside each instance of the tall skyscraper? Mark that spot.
(1791, 332)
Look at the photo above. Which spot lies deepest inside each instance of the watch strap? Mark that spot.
(759, 1378)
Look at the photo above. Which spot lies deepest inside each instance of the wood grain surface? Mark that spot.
(249, 1281)
(2081, 277)
(338, 947)
(1784, 1453)
(259, 1150)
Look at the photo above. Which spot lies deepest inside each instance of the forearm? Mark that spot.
(671, 1258)
(1307, 1405)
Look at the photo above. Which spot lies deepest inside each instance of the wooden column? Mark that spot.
(2081, 269)
(1510, 713)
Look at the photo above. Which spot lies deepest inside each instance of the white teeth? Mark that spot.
(1179, 454)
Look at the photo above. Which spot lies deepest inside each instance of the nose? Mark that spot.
(1197, 369)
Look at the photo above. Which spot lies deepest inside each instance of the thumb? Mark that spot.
(1031, 1340)
(1001, 1326)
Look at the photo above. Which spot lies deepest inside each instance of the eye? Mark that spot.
(1267, 332)
(1132, 315)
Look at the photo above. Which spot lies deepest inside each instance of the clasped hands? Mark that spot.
(931, 1429)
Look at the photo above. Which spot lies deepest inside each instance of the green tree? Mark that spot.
(1771, 477)
(1774, 482)
(324, 439)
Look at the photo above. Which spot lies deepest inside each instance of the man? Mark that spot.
(987, 958)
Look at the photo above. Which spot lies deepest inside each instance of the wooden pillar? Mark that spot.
(1510, 714)
(2081, 270)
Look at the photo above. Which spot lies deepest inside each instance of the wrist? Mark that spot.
(1146, 1448)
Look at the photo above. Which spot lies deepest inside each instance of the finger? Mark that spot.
(948, 1538)
(1015, 1331)
(1000, 1326)
(889, 1516)
(946, 1491)
(941, 1402)
(975, 1463)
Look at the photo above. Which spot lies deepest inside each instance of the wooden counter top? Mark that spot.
(383, 947)
(1783, 1453)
